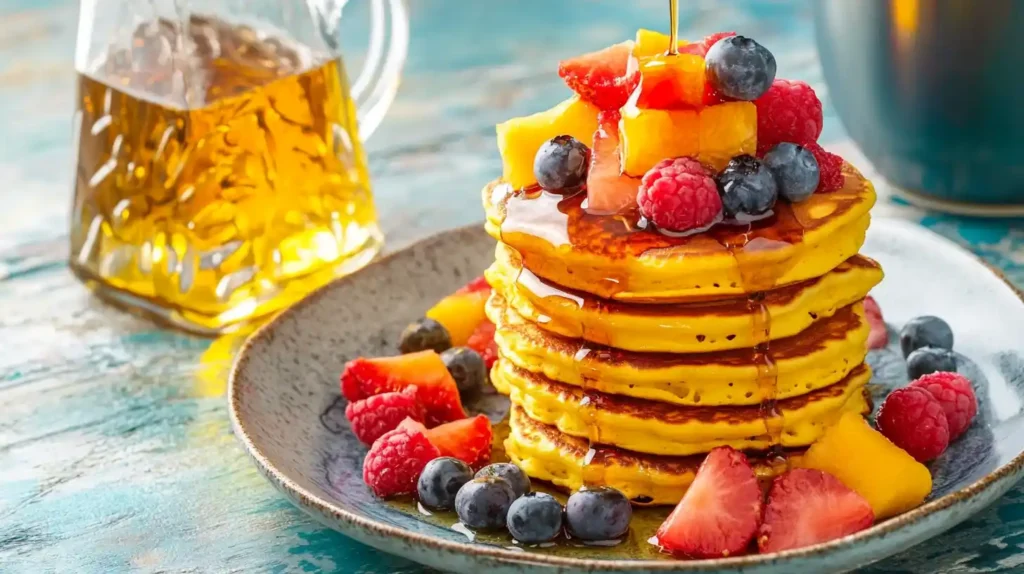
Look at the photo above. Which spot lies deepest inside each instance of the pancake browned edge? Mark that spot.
(667, 429)
(547, 454)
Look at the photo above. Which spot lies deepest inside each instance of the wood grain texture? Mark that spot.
(115, 448)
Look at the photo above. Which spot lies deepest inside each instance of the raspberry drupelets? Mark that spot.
(679, 195)
(789, 111)
(395, 461)
(830, 166)
(914, 420)
(374, 416)
(956, 395)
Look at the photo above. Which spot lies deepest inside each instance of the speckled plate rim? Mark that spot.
(847, 550)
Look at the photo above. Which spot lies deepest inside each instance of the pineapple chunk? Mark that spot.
(460, 314)
(726, 131)
(651, 43)
(649, 136)
(671, 82)
(864, 460)
(520, 138)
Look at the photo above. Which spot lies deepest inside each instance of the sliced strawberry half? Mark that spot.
(468, 440)
(806, 507)
(720, 512)
(425, 370)
(701, 48)
(605, 78)
(482, 341)
(608, 189)
(878, 338)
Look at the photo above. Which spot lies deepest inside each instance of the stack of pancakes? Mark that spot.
(628, 354)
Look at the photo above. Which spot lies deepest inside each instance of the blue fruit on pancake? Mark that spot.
(747, 187)
(795, 169)
(740, 68)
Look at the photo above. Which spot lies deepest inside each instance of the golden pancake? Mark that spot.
(545, 453)
(819, 356)
(610, 256)
(661, 428)
(695, 327)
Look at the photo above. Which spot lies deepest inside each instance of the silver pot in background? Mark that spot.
(933, 92)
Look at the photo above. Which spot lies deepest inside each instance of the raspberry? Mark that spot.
(914, 420)
(482, 341)
(878, 338)
(831, 167)
(679, 195)
(956, 395)
(395, 461)
(788, 112)
(372, 417)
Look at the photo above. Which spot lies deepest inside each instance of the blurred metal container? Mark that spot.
(933, 92)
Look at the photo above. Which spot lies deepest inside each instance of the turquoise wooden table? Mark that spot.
(115, 449)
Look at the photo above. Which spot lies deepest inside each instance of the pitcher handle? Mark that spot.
(377, 83)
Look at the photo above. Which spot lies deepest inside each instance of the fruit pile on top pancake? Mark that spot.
(676, 268)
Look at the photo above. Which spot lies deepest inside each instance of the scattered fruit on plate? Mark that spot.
(701, 151)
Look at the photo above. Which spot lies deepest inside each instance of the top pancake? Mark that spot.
(611, 257)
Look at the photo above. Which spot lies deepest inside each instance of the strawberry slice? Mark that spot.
(425, 370)
(878, 338)
(482, 341)
(806, 507)
(701, 48)
(468, 440)
(605, 78)
(608, 189)
(719, 514)
(477, 285)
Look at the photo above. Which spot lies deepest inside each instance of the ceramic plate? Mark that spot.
(288, 414)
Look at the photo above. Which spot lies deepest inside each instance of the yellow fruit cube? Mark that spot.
(460, 314)
(520, 138)
(649, 136)
(651, 43)
(864, 460)
(671, 82)
(727, 130)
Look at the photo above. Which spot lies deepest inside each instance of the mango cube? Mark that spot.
(649, 136)
(520, 138)
(671, 82)
(864, 460)
(651, 43)
(460, 314)
(727, 130)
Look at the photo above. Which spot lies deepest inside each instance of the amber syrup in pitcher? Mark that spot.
(219, 173)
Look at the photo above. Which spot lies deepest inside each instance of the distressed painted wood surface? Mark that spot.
(115, 448)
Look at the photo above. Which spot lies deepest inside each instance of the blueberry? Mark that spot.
(928, 360)
(440, 481)
(535, 518)
(597, 514)
(510, 472)
(747, 187)
(482, 503)
(740, 68)
(561, 164)
(795, 169)
(926, 331)
(425, 334)
(467, 368)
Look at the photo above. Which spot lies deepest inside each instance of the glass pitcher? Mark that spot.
(220, 170)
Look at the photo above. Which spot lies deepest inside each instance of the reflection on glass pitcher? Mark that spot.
(221, 174)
